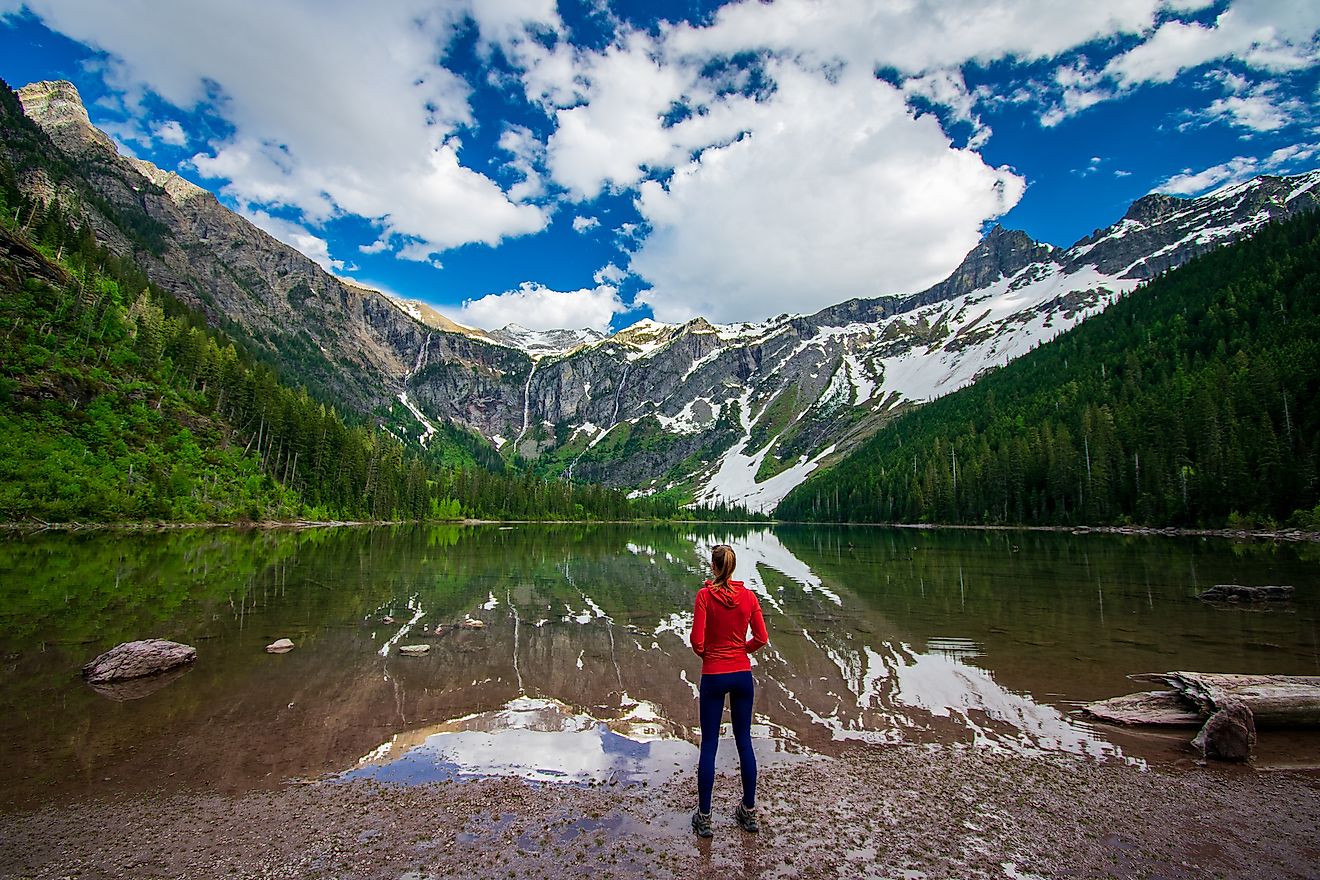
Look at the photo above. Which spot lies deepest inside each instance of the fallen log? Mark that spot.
(1230, 706)
(1157, 708)
(1249, 595)
(1274, 700)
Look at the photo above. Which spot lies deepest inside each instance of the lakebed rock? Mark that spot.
(279, 646)
(137, 659)
(472, 623)
(414, 650)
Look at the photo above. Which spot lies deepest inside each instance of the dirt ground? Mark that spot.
(910, 812)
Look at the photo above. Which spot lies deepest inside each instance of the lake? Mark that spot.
(580, 670)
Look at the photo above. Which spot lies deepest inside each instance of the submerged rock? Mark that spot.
(1239, 593)
(470, 623)
(279, 646)
(1229, 734)
(136, 659)
(414, 650)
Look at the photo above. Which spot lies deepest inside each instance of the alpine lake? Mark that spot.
(573, 665)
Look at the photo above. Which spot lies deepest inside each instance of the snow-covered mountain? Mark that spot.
(739, 412)
(745, 412)
(543, 343)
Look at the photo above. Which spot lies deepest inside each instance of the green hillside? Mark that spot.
(1193, 401)
(118, 404)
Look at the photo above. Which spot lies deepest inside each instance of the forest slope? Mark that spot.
(1195, 400)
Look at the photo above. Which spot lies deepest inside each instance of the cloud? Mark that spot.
(1256, 108)
(336, 107)
(785, 219)
(528, 159)
(914, 37)
(618, 130)
(582, 224)
(948, 89)
(609, 274)
(170, 132)
(1269, 35)
(297, 237)
(539, 308)
(1237, 170)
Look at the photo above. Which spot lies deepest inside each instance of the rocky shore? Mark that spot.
(918, 811)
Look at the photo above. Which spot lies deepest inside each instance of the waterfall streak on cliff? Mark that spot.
(421, 358)
(527, 405)
(618, 395)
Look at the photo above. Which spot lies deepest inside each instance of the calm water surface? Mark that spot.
(581, 671)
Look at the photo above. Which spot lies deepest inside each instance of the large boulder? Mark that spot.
(1229, 734)
(136, 659)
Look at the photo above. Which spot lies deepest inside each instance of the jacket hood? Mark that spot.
(728, 598)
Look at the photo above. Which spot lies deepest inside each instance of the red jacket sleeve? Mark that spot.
(698, 638)
(760, 638)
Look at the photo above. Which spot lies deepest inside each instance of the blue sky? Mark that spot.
(590, 163)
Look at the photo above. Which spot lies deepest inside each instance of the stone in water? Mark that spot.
(414, 650)
(279, 646)
(136, 659)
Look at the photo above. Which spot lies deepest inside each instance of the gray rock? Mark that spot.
(1229, 734)
(136, 659)
(279, 646)
(414, 650)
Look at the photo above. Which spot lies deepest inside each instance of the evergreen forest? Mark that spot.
(119, 404)
(1193, 401)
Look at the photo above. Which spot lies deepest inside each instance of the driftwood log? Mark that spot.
(1274, 700)
(1228, 706)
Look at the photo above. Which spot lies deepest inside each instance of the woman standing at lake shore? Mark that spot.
(723, 611)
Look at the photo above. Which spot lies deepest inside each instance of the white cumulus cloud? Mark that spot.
(538, 307)
(170, 132)
(337, 106)
(836, 192)
(1237, 169)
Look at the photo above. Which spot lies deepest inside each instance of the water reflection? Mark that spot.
(987, 639)
(544, 740)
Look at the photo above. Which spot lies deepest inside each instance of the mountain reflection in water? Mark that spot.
(575, 664)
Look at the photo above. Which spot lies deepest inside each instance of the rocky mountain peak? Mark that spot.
(57, 107)
(179, 189)
(1155, 206)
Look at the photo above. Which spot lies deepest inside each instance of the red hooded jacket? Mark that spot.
(720, 620)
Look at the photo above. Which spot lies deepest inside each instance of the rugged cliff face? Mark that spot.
(721, 412)
(345, 341)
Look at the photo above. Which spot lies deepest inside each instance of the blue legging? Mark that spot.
(739, 688)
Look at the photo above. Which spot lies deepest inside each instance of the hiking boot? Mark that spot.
(701, 824)
(747, 818)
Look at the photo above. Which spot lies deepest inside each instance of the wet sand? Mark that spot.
(910, 811)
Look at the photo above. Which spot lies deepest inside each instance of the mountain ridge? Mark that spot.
(710, 412)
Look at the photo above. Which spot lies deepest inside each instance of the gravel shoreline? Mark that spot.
(909, 811)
